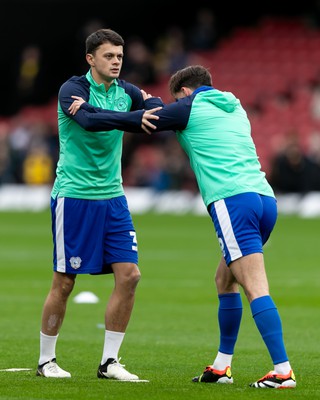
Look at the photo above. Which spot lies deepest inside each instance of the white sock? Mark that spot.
(47, 348)
(282, 368)
(112, 343)
(222, 361)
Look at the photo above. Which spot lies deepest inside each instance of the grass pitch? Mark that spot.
(173, 332)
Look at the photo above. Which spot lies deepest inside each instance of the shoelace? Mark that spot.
(214, 371)
(52, 367)
(118, 363)
(270, 374)
(273, 374)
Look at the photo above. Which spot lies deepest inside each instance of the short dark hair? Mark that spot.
(101, 36)
(192, 77)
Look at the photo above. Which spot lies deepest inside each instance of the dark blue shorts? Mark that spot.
(90, 235)
(243, 223)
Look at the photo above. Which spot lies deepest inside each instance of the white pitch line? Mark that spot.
(16, 369)
(130, 380)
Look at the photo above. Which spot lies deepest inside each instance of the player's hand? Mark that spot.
(145, 95)
(75, 105)
(147, 116)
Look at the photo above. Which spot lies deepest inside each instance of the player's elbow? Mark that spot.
(89, 126)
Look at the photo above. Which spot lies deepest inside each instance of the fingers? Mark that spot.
(145, 95)
(150, 113)
(149, 116)
(146, 120)
(147, 126)
(146, 129)
(155, 109)
(74, 107)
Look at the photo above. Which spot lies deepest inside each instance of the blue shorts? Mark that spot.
(243, 223)
(90, 235)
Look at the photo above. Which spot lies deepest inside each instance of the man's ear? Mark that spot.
(89, 58)
(187, 91)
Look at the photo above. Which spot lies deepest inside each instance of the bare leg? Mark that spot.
(118, 313)
(54, 308)
(225, 280)
(120, 305)
(250, 273)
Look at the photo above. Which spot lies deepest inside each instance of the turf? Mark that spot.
(173, 332)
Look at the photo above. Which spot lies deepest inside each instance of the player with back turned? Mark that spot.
(215, 132)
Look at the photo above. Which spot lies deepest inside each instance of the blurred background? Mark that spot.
(268, 55)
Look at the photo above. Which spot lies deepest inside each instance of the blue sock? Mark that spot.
(268, 322)
(229, 317)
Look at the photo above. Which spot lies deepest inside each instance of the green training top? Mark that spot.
(218, 142)
(89, 165)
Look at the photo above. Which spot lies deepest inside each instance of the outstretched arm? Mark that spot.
(147, 116)
(173, 116)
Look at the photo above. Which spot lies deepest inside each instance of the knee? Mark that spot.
(134, 276)
(220, 283)
(225, 284)
(128, 277)
(132, 280)
(65, 286)
(219, 280)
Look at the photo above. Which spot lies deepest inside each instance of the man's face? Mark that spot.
(106, 63)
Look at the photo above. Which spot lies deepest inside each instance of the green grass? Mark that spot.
(173, 332)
